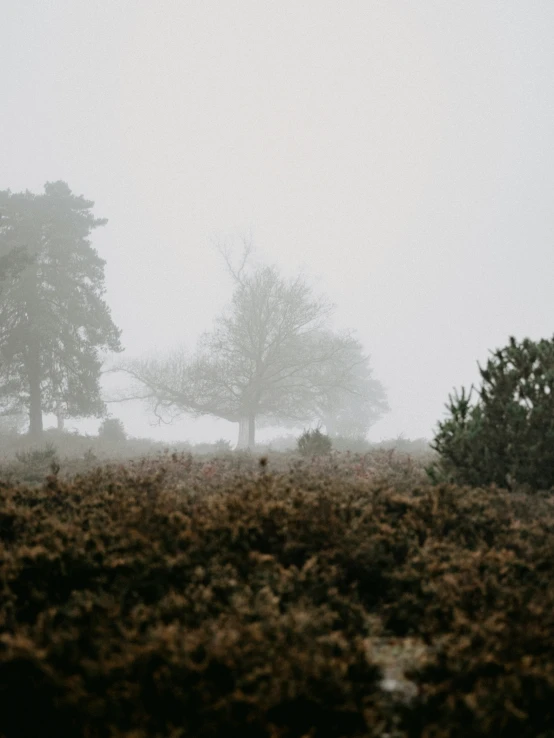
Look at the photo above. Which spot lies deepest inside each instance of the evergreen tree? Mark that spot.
(56, 321)
(506, 436)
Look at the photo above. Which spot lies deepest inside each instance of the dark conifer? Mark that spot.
(56, 321)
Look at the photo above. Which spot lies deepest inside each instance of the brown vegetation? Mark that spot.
(338, 596)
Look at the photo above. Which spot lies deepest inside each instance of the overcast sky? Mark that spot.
(400, 152)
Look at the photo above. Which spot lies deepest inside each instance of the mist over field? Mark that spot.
(276, 369)
(398, 154)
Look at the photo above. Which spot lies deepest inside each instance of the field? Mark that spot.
(272, 597)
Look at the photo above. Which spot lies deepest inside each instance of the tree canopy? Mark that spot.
(55, 320)
(270, 359)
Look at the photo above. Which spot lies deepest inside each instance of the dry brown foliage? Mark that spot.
(340, 596)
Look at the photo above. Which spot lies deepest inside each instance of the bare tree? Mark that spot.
(269, 359)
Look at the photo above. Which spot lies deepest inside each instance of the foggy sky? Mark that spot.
(400, 152)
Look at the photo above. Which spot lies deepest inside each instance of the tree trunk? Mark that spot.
(247, 432)
(61, 420)
(243, 434)
(330, 425)
(35, 394)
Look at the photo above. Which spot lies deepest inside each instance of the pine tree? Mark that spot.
(506, 436)
(56, 320)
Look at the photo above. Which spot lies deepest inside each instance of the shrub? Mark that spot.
(32, 464)
(223, 446)
(507, 436)
(37, 456)
(112, 430)
(154, 599)
(314, 443)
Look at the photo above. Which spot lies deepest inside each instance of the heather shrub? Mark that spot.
(314, 443)
(328, 597)
(37, 456)
(223, 446)
(506, 436)
(32, 463)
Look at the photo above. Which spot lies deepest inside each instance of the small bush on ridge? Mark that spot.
(314, 443)
(112, 430)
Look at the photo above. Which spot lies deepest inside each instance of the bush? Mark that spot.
(112, 430)
(314, 443)
(223, 446)
(507, 436)
(184, 597)
(37, 456)
(33, 464)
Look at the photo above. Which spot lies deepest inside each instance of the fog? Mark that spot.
(400, 154)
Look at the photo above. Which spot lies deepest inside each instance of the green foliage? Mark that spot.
(112, 430)
(506, 437)
(54, 319)
(314, 443)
